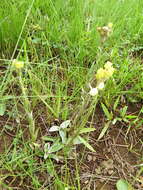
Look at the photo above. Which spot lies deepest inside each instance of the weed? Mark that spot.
(55, 86)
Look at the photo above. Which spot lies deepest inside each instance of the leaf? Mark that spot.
(50, 168)
(106, 112)
(36, 145)
(87, 130)
(131, 116)
(114, 121)
(46, 148)
(46, 104)
(55, 157)
(46, 156)
(55, 147)
(46, 138)
(86, 144)
(54, 128)
(7, 97)
(51, 149)
(63, 136)
(65, 124)
(141, 110)
(2, 109)
(123, 185)
(116, 103)
(59, 184)
(104, 130)
(76, 141)
(123, 111)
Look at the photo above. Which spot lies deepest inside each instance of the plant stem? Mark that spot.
(26, 103)
(77, 124)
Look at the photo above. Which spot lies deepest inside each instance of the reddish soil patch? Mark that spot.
(5, 142)
(6, 137)
(114, 159)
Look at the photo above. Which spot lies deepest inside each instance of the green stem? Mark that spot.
(85, 110)
(28, 111)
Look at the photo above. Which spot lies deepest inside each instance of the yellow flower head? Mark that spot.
(109, 68)
(110, 25)
(104, 74)
(110, 72)
(101, 74)
(17, 64)
(108, 65)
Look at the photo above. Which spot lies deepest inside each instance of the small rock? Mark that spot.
(86, 182)
(98, 170)
(110, 172)
(89, 158)
(94, 158)
(107, 164)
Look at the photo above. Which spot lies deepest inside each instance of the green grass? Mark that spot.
(61, 48)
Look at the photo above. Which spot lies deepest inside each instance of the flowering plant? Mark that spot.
(102, 75)
(105, 31)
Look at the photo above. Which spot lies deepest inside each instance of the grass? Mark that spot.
(61, 49)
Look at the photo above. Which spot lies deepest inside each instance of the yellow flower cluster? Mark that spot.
(102, 75)
(105, 73)
(17, 64)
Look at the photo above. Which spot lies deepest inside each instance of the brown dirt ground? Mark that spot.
(112, 160)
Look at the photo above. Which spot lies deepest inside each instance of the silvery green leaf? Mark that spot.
(63, 136)
(46, 155)
(86, 144)
(104, 130)
(108, 114)
(87, 130)
(55, 157)
(46, 150)
(47, 138)
(55, 147)
(77, 141)
(114, 121)
(46, 146)
(54, 128)
(65, 124)
(123, 111)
